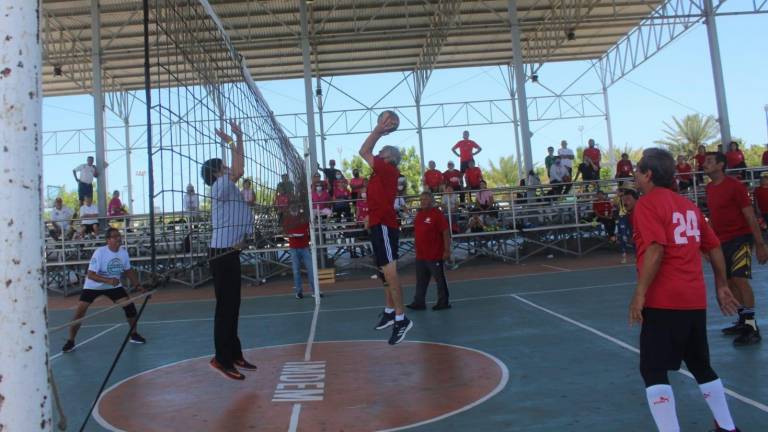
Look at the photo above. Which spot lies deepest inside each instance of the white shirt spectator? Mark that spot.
(86, 210)
(231, 217)
(449, 201)
(87, 172)
(568, 163)
(107, 264)
(191, 202)
(62, 217)
(248, 195)
(557, 173)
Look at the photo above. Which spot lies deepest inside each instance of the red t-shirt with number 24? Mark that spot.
(664, 217)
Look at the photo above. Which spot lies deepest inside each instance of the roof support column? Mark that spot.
(717, 73)
(420, 132)
(25, 388)
(98, 109)
(515, 122)
(611, 158)
(127, 124)
(519, 72)
(305, 55)
(319, 94)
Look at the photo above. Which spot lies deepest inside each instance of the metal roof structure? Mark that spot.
(358, 36)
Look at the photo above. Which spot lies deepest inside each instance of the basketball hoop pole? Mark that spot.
(313, 240)
(25, 392)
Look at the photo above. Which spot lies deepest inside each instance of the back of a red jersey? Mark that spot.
(725, 202)
(666, 218)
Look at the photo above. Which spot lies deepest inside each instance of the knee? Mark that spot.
(130, 311)
(702, 372)
(653, 376)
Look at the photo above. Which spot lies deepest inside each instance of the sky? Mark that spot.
(675, 82)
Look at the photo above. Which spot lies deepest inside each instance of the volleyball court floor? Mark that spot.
(550, 350)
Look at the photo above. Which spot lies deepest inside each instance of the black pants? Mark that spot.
(609, 225)
(225, 269)
(425, 271)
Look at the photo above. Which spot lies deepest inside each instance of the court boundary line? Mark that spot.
(293, 424)
(735, 395)
(60, 353)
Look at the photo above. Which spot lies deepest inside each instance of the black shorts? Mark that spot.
(89, 228)
(669, 337)
(114, 294)
(464, 165)
(385, 242)
(738, 257)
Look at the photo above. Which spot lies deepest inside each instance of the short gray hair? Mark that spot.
(392, 154)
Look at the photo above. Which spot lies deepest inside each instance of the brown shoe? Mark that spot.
(245, 364)
(230, 373)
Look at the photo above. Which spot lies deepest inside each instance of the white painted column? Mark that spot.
(308, 83)
(611, 159)
(98, 108)
(25, 395)
(128, 169)
(522, 101)
(717, 74)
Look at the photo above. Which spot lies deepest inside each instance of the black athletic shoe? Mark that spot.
(230, 373)
(438, 307)
(735, 329)
(386, 320)
(399, 330)
(748, 336)
(245, 364)
(68, 347)
(415, 306)
(137, 339)
(299, 296)
(719, 429)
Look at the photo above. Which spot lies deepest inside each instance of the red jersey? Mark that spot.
(666, 218)
(453, 177)
(624, 168)
(356, 183)
(684, 172)
(115, 207)
(433, 178)
(298, 236)
(429, 227)
(734, 158)
(765, 158)
(340, 190)
(474, 175)
(594, 154)
(321, 200)
(725, 201)
(382, 191)
(362, 209)
(699, 158)
(465, 149)
(603, 208)
(761, 199)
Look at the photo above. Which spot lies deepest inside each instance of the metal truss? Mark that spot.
(445, 16)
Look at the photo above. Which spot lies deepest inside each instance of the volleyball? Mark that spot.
(390, 120)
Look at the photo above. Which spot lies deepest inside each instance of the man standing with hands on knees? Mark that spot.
(433, 250)
(670, 300)
(382, 222)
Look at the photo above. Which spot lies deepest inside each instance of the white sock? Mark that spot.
(399, 317)
(714, 394)
(661, 401)
(388, 310)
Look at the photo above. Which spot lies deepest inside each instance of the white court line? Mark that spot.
(296, 411)
(629, 347)
(55, 356)
(562, 269)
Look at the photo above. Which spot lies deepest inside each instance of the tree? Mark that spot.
(686, 135)
(410, 167)
(502, 175)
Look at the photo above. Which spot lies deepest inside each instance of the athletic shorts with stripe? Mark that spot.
(738, 257)
(385, 242)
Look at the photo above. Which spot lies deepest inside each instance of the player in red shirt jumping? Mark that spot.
(670, 298)
(467, 151)
(433, 178)
(382, 222)
(733, 219)
(433, 250)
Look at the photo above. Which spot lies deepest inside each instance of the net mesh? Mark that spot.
(199, 83)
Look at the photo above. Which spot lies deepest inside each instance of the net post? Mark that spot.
(312, 236)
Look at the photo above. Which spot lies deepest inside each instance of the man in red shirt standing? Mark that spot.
(733, 219)
(432, 178)
(296, 227)
(383, 226)
(593, 153)
(735, 159)
(670, 299)
(433, 249)
(467, 151)
(684, 176)
(624, 167)
(699, 157)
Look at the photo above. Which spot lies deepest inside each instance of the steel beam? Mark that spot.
(309, 100)
(717, 74)
(517, 59)
(98, 108)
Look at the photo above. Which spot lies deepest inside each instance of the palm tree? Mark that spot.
(502, 175)
(686, 135)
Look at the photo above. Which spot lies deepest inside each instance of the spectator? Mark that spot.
(474, 176)
(467, 151)
(361, 208)
(455, 179)
(332, 174)
(628, 197)
(764, 160)
(475, 224)
(89, 214)
(593, 153)
(316, 181)
(484, 197)
(296, 228)
(566, 157)
(115, 207)
(720, 149)
(449, 200)
(285, 187)
(550, 159)
(558, 174)
(401, 207)
(604, 213)
(735, 159)
(249, 196)
(61, 220)
(761, 198)
(684, 176)
(588, 170)
(87, 172)
(433, 249)
(357, 184)
(321, 200)
(341, 207)
(191, 200)
(699, 157)
(532, 181)
(624, 167)
(433, 178)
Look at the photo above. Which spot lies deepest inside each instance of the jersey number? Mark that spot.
(686, 226)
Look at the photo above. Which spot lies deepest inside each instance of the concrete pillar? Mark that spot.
(717, 74)
(308, 83)
(522, 101)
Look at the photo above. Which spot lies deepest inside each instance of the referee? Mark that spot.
(670, 298)
(232, 222)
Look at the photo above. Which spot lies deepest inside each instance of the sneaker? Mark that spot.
(230, 373)
(748, 336)
(438, 307)
(386, 320)
(719, 429)
(415, 306)
(735, 329)
(137, 339)
(399, 330)
(321, 295)
(68, 347)
(624, 258)
(245, 364)
(299, 296)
